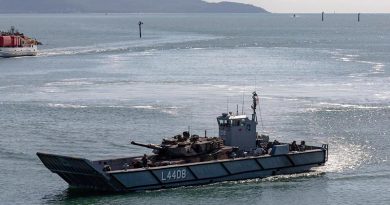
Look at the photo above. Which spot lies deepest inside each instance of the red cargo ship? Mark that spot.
(13, 44)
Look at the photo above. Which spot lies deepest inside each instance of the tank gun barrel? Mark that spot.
(149, 146)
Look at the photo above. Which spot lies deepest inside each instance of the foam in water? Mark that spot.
(147, 107)
(70, 82)
(383, 95)
(125, 45)
(171, 110)
(376, 67)
(354, 106)
(60, 105)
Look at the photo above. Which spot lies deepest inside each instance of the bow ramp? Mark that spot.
(79, 172)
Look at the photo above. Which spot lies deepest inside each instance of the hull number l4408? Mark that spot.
(172, 175)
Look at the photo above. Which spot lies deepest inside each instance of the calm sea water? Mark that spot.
(95, 86)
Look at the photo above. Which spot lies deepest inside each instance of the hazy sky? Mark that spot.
(314, 6)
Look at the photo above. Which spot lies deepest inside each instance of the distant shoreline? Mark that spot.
(261, 13)
(108, 13)
(126, 6)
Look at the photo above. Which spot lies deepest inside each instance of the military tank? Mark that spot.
(184, 146)
(184, 149)
(239, 152)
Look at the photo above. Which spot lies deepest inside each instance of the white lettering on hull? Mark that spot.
(173, 175)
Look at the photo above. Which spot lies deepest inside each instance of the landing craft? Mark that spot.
(238, 153)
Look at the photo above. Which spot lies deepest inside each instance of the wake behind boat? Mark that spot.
(238, 153)
(14, 44)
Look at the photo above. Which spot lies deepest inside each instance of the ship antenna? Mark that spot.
(261, 118)
(242, 109)
(255, 82)
(227, 104)
(243, 101)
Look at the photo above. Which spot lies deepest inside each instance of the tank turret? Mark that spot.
(150, 146)
(185, 146)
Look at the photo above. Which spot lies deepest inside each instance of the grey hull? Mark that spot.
(85, 174)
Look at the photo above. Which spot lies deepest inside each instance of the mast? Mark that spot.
(12, 31)
(255, 99)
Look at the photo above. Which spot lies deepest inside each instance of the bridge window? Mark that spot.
(225, 123)
(239, 122)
